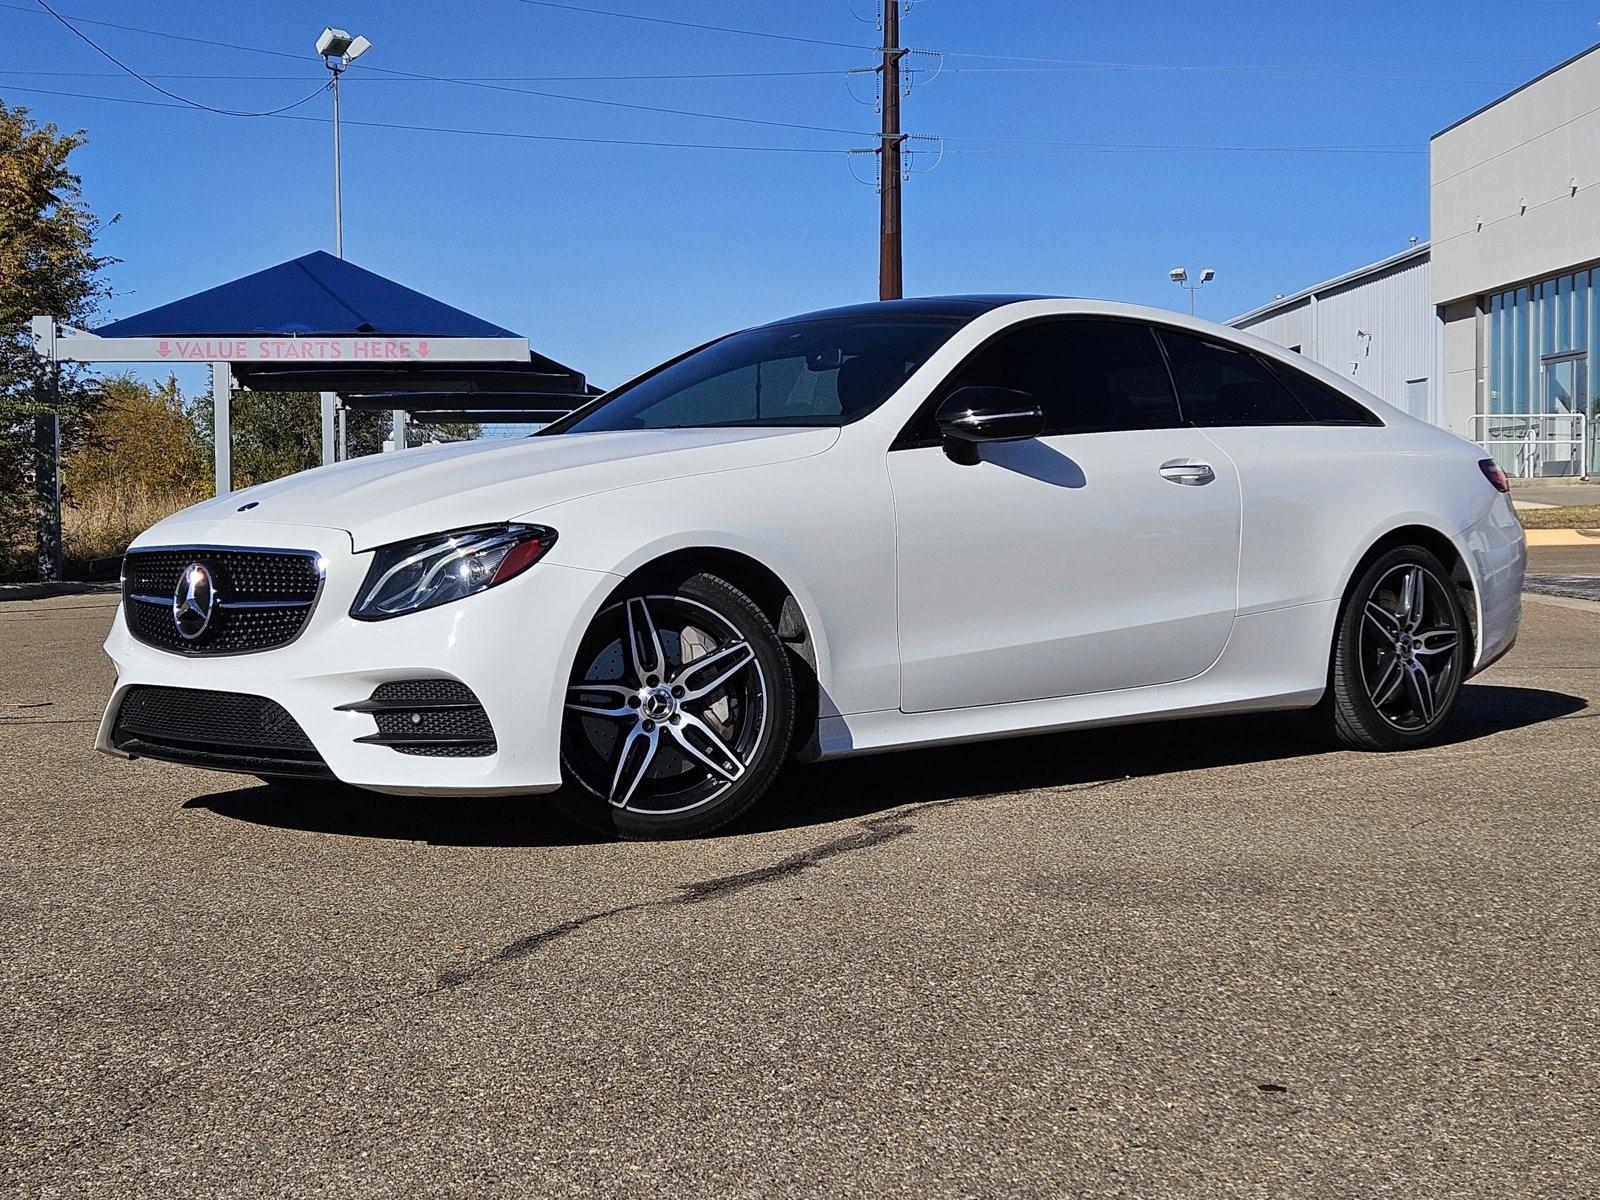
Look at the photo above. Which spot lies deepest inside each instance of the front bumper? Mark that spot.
(512, 645)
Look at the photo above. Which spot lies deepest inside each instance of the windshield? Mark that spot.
(825, 372)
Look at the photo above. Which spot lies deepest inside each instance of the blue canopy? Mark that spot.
(316, 295)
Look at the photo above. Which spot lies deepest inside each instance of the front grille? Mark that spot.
(225, 730)
(262, 598)
(435, 718)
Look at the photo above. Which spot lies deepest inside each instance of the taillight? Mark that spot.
(1492, 472)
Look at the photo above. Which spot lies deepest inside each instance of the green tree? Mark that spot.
(139, 439)
(48, 266)
(278, 433)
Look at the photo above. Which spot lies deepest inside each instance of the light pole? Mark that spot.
(339, 50)
(1180, 276)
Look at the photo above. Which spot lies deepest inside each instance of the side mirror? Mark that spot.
(971, 415)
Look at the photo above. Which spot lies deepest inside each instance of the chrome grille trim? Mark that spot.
(256, 571)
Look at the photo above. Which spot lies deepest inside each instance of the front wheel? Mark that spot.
(1400, 654)
(679, 711)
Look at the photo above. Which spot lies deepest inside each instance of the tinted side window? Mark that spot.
(1088, 376)
(1326, 406)
(1222, 385)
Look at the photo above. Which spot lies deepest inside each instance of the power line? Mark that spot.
(837, 73)
(652, 108)
(1039, 64)
(1284, 71)
(1055, 143)
(1189, 148)
(496, 133)
(756, 33)
(1082, 63)
(1064, 63)
(1015, 147)
(161, 33)
(109, 57)
(458, 80)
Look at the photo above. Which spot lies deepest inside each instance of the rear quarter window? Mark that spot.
(1326, 405)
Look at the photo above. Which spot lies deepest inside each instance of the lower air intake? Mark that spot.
(434, 718)
(226, 731)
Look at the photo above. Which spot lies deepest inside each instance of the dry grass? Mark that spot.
(1570, 516)
(101, 523)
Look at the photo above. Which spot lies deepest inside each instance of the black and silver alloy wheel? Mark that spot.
(1408, 643)
(1401, 653)
(678, 711)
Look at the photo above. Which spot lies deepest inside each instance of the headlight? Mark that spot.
(442, 567)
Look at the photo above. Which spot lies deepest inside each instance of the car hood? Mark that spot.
(384, 498)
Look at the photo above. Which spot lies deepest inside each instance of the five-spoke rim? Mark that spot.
(670, 705)
(1409, 646)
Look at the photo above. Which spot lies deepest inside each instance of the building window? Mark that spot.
(1543, 367)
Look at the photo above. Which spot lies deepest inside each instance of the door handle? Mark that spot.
(1192, 474)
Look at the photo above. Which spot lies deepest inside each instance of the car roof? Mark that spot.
(917, 306)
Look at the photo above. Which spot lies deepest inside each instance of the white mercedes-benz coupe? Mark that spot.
(872, 528)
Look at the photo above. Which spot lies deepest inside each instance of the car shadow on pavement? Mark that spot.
(854, 788)
(859, 787)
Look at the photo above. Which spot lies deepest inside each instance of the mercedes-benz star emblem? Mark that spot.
(193, 602)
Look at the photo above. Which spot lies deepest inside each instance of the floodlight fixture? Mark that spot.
(1180, 276)
(333, 43)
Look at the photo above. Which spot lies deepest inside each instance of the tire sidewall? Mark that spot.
(752, 624)
(1360, 723)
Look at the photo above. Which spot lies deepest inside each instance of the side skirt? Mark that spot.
(1274, 660)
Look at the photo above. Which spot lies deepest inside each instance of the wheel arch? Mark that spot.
(1430, 537)
(788, 607)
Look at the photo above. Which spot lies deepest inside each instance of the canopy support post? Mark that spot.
(330, 402)
(47, 479)
(397, 440)
(47, 449)
(222, 426)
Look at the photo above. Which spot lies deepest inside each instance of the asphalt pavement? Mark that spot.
(1572, 571)
(1556, 493)
(1198, 959)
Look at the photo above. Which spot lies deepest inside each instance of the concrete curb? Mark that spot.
(1563, 537)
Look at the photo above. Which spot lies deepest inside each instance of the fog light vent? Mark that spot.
(436, 718)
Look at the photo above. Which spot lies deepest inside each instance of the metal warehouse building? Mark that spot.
(1375, 325)
(1492, 329)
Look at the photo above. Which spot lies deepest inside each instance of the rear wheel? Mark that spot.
(679, 711)
(1400, 653)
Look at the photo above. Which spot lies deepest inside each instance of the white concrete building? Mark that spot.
(1515, 212)
(1504, 343)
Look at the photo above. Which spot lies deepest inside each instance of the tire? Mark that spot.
(680, 711)
(1397, 665)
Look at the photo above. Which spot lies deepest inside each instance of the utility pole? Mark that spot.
(889, 277)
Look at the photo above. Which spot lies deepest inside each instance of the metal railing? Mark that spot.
(1536, 445)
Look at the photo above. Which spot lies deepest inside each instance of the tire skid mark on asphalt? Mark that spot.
(871, 833)
(875, 832)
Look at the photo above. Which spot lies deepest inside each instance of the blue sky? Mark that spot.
(611, 257)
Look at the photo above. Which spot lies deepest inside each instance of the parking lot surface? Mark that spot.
(1205, 959)
(1572, 571)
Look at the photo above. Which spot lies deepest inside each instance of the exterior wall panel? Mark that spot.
(1513, 192)
(1376, 327)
